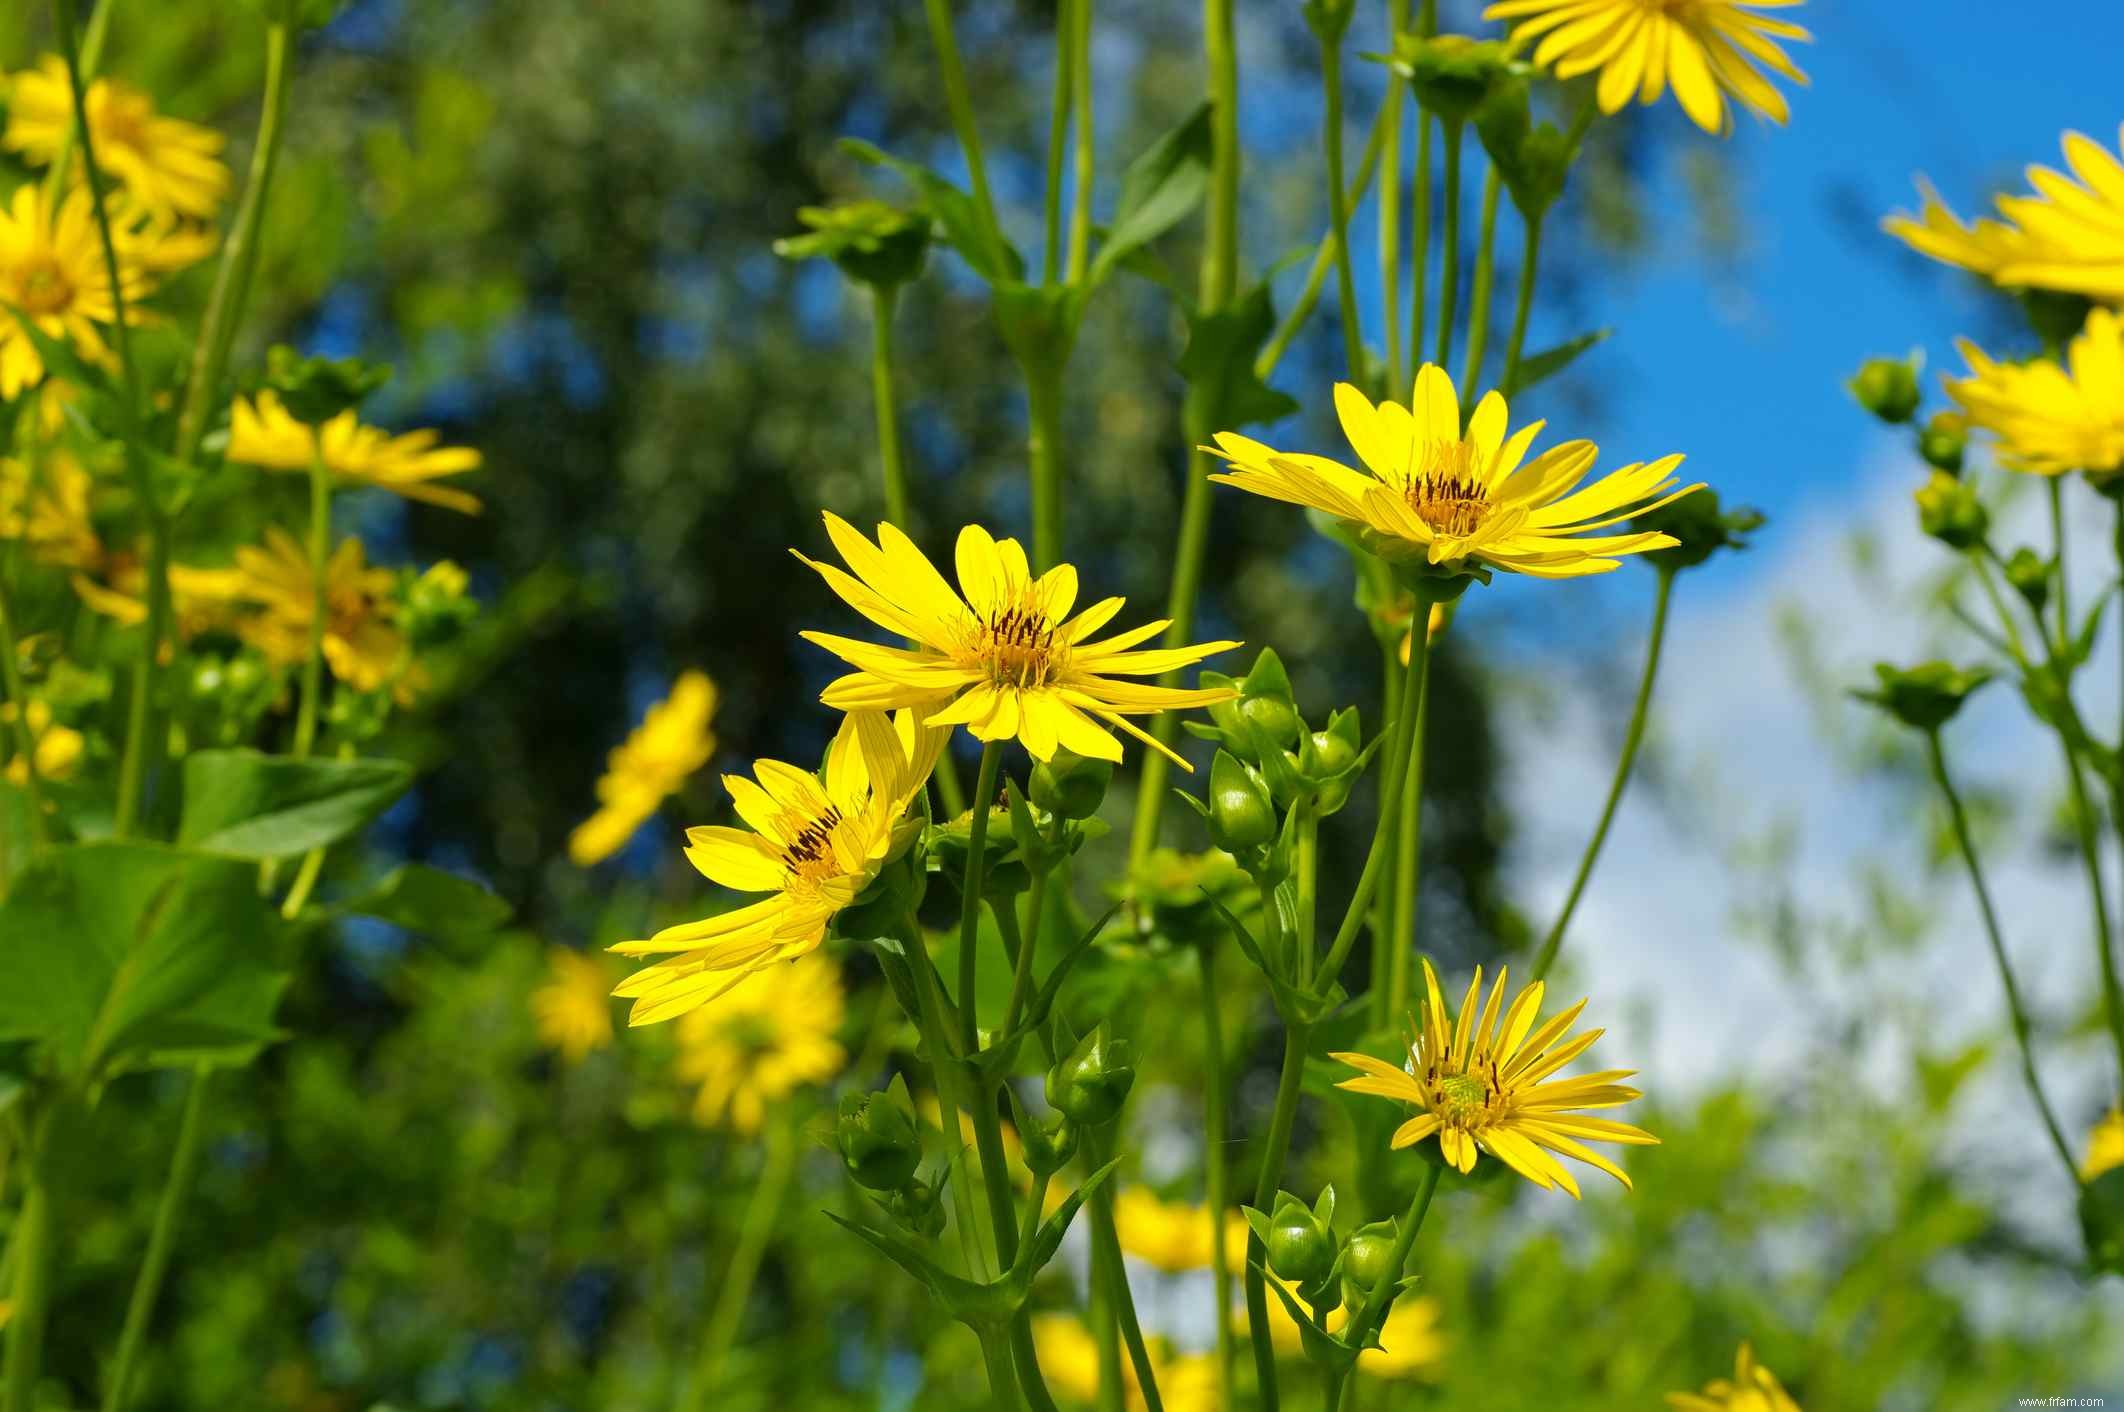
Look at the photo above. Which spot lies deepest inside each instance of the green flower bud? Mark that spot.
(1950, 512)
(1700, 527)
(2055, 316)
(1944, 441)
(1888, 388)
(2030, 574)
(1925, 697)
(1329, 19)
(1536, 173)
(1172, 893)
(917, 1207)
(1367, 1258)
(877, 1138)
(1328, 761)
(1452, 73)
(1048, 1146)
(1504, 121)
(873, 243)
(1242, 815)
(1301, 1244)
(1091, 1082)
(315, 390)
(1266, 703)
(1070, 786)
(433, 607)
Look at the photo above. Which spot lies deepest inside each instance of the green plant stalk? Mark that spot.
(92, 36)
(2056, 486)
(892, 465)
(1479, 294)
(1107, 1242)
(320, 599)
(1106, 1333)
(2015, 1010)
(32, 1247)
(25, 739)
(1044, 403)
(1368, 162)
(1085, 153)
(1382, 1295)
(1057, 141)
(1529, 262)
(1449, 244)
(1420, 216)
(1408, 850)
(1396, 767)
(1339, 211)
(996, 1359)
(1633, 736)
(960, 104)
(761, 1213)
(2083, 817)
(154, 1265)
(239, 252)
(984, 801)
(1216, 1175)
(1390, 201)
(1382, 901)
(1296, 1037)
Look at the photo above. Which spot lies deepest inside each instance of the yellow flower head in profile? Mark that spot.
(263, 433)
(1709, 51)
(1006, 660)
(1462, 501)
(362, 644)
(573, 1009)
(1483, 1082)
(1754, 1388)
(168, 167)
(754, 1045)
(812, 844)
(674, 739)
(1174, 1236)
(52, 270)
(55, 749)
(2105, 1146)
(2050, 419)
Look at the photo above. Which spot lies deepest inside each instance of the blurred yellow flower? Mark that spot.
(749, 1047)
(1174, 1236)
(2105, 1146)
(200, 599)
(1069, 1361)
(1479, 1084)
(1006, 661)
(1709, 50)
(573, 1009)
(361, 644)
(52, 270)
(674, 739)
(48, 510)
(55, 749)
(1411, 1343)
(1754, 1388)
(166, 166)
(811, 844)
(1432, 492)
(263, 433)
(2050, 419)
(1982, 246)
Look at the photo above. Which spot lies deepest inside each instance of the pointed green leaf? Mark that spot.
(953, 209)
(250, 805)
(1158, 190)
(1544, 365)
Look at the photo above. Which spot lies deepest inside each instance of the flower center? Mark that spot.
(1017, 646)
(41, 287)
(1462, 1100)
(809, 855)
(1445, 492)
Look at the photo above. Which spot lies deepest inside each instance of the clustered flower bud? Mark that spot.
(1888, 388)
(1924, 697)
(877, 1138)
(1301, 1240)
(1950, 512)
(1367, 1258)
(1070, 786)
(1091, 1082)
(315, 390)
(1944, 442)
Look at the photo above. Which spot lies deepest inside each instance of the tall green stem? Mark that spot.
(996, 1360)
(1216, 1174)
(1339, 210)
(2090, 854)
(960, 103)
(25, 735)
(1057, 143)
(1529, 262)
(1479, 294)
(92, 37)
(984, 803)
(147, 1285)
(32, 1246)
(1390, 791)
(1449, 244)
(884, 299)
(2015, 1010)
(1382, 921)
(1044, 403)
(1114, 1271)
(1085, 153)
(1390, 202)
(1368, 161)
(1633, 736)
(1382, 1294)
(1408, 848)
(1296, 1037)
(1420, 218)
(320, 599)
(2055, 485)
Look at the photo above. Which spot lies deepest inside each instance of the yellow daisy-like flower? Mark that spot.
(1753, 1388)
(812, 844)
(48, 511)
(1708, 50)
(1461, 500)
(674, 739)
(573, 1009)
(362, 644)
(1174, 1236)
(1983, 246)
(2105, 1146)
(56, 749)
(263, 433)
(52, 270)
(1069, 1361)
(2050, 419)
(1006, 660)
(167, 166)
(1483, 1083)
(750, 1047)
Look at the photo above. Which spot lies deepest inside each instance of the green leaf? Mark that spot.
(1048, 1238)
(1158, 190)
(1223, 391)
(953, 209)
(250, 805)
(1548, 363)
(431, 902)
(1039, 323)
(129, 954)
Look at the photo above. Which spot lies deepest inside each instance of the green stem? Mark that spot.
(1324, 253)
(984, 801)
(147, 1285)
(1022, 946)
(1057, 141)
(1382, 921)
(1288, 1086)
(1408, 848)
(1114, 1271)
(1044, 403)
(1390, 202)
(1479, 295)
(1419, 217)
(2015, 1010)
(1085, 153)
(761, 1213)
(1216, 1174)
(960, 102)
(92, 36)
(32, 1247)
(1339, 212)
(2056, 486)
(884, 299)
(1449, 244)
(1220, 248)
(1106, 1333)
(239, 252)
(25, 738)
(1529, 262)
(1382, 1295)
(320, 599)
(996, 1359)
(1633, 736)
(2090, 853)
(1308, 880)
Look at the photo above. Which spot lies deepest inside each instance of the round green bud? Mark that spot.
(1944, 442)
(1301, 1248)
(1242, 814)
(916, 1207)
(1888, 388)
(1048, 1147)
(2029, 573)
(434, 607)
(1927, 696)
(1092, 1081)
(878, 1141)
(1070, 786)
(1367, 1258)
(1950, 512)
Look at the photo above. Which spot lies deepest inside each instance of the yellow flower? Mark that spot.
(52, 269)
(2050, 419)
(749, 1047)
(1436, 493)
(201, 599)
(1709, 50)
(263, 433)
(1479, 1084)
(2105, 1146)
(361, 644)
(573, 1009)
(168, 167)
(1754, 1388)
(1069, 1361)
(1006, 660)
(2066, 235)
(1411, 1345)
(673, 741)
(1174, 1236)
(812, 846)
(56, 749)
(49, 510)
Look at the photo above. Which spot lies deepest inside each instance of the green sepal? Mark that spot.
(953, 210)
(1321, 1347)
